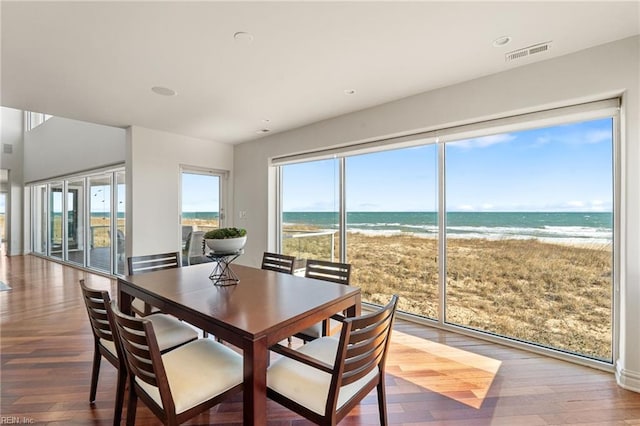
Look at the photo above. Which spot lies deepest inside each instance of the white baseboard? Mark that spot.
(627, 379)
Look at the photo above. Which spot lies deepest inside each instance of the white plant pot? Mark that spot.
(227, 245)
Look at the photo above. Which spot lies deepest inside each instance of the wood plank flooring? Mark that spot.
(434, 377)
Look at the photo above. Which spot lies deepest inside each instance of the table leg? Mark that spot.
(124, 300)
(355, 310)
(256, 355)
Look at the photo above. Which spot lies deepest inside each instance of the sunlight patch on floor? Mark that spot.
(457, 374)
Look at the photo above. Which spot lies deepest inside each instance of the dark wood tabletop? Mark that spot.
(264, 308)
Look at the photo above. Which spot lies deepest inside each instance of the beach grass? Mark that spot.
(553, 295)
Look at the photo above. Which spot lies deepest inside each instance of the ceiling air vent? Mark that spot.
(527, 51)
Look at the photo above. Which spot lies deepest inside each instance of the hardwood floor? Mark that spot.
(434, 377)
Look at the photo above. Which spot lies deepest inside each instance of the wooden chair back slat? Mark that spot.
(335, 272)
(355, 350)
(153, 262)
(357, 367)
(367, 340)
(278, 262)
(95, 302)
(328, 271)
(140, 346)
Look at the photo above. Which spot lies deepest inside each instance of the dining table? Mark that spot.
(263, 308)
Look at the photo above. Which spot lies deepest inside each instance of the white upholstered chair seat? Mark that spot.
(308, 386)
(315, 330)
(197, 372)
(138, 306)
(170, 331)
(110, 346)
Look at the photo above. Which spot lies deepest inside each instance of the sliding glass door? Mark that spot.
(100, 224)
(55, 220)
(121, 222)
(73, 220)
(39, 208)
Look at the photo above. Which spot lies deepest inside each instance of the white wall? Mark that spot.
(60, 146)
(153, 185)
(591, 74)
(12, 134)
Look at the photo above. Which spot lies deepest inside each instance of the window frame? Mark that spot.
(223, 177)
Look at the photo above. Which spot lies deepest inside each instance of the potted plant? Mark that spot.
(226, 240)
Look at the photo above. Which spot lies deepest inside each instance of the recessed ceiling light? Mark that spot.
(350, 91)
(501, 41)
(243, 37)
(164, 91)
(266, 120)
(263, 131)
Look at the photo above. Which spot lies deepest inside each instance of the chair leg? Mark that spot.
(131, 407)
(382, 401)
(117, 411)
(97, 356)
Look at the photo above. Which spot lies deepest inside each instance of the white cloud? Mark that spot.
(484, 141)
(597, 136)
(542, 140)
(590, 137)
(575, 204)
(466, 207)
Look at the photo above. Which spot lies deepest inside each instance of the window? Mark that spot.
(503, 228)
(39, 219)
(73, 220)
(311, 210)
(56, 220)
(529, 236)
(34, 119)
(121, 222)
(202, 209)
(392, 227)
(101, 213)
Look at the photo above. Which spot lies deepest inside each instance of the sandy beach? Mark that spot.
(556, 295)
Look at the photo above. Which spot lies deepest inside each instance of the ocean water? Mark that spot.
(561, 227)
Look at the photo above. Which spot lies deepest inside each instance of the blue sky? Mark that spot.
(200, 193)
(560, 168)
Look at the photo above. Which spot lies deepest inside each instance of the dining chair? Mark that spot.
(278, 262)
(170, 332)
(186, 231)
(326, 378)
(194, 250)
(327, 271)
(178, 385)
(150, 263)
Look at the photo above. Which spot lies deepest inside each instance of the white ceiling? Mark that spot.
(97, 61)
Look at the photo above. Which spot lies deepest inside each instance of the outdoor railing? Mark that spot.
(310, 244)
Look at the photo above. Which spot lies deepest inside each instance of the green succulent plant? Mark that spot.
(225, 233)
